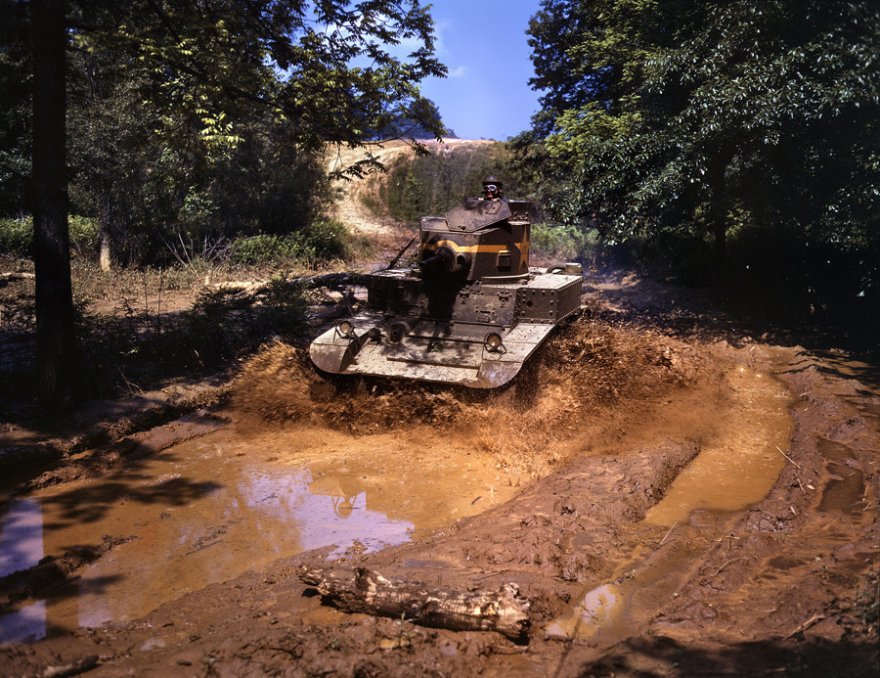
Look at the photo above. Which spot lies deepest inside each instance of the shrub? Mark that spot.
(16, 235)
(322, 240)
(325, 239)
(264, 249)
(564, 242)
(85, 234)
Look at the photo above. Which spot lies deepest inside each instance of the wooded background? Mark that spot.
(726, 143)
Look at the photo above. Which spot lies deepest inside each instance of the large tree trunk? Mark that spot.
(54, 299)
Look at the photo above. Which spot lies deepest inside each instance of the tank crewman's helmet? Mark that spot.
(492, 186)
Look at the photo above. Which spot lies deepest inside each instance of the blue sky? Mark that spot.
(483, 44)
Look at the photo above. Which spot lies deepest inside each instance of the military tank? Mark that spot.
(470, 311)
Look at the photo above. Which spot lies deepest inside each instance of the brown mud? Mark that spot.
(672, 497)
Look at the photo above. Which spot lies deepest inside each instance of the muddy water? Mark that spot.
(845, 492)
(214, 507)
(738, 463)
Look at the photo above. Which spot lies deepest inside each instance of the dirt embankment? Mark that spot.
(599, 433)
(386, 236)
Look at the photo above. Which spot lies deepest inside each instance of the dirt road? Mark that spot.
(679, 499)
(672, 493)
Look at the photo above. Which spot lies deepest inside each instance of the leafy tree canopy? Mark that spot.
(702, 117)
(294, 57)
(208, 119)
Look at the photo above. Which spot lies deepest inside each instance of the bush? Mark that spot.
(325, 239)
(16, 235)
(567, 243)
(322, 240)
(264, 249)
(85, 234)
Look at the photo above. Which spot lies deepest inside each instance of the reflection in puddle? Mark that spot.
(25, 625)
(21, 536)
(21, 547)
(329, 510)
(739, 465)
(599, 611)
(210, 509)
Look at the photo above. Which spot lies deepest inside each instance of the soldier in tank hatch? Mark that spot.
(491, 188)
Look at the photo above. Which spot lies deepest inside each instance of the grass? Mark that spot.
(139, 328)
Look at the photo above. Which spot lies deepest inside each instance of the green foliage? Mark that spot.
(323, 239)
(702, 123)
(16, 235)
(159, 191)
(326, 239)
(565, 243)
(84, 234)
(264, 249)
(188, 128)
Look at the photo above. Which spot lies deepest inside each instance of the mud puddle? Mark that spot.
(738, 463)
(737, 467)
(845, 491)
(209, 509)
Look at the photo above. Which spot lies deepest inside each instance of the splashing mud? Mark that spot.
(587, 369)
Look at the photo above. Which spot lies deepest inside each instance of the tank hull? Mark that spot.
(441, 335)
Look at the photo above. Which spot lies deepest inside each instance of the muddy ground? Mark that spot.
(672, 494)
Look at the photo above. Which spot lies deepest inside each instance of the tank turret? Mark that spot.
(470, 311)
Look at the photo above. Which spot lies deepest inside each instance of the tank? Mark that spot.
(469, 311)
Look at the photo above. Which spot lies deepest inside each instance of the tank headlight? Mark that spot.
(345, 329)
(493, 342)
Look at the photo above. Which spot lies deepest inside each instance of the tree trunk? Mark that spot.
(718, 215)
(54, 299)
(719, 226)
(104, 258)
(505, 611)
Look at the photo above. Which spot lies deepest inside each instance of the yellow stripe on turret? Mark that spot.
(466, 249)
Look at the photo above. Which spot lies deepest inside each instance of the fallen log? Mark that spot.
(14, 277)
(332, 280)
(248, 292)
(366, 591)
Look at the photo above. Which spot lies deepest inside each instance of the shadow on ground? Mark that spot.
(649, 657)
